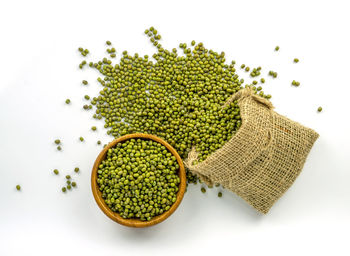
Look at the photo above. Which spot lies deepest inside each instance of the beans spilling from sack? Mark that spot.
(227, 132)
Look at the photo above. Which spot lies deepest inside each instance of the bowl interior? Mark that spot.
(136, 222)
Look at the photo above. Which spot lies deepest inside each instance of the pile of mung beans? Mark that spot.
(139, 179)
(176, 96)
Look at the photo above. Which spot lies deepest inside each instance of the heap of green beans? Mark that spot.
(176, 96)
(139, 179)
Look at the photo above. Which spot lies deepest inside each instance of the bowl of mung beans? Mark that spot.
(138, 180)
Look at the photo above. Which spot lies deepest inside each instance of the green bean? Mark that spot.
(295, 83)
(273, 74)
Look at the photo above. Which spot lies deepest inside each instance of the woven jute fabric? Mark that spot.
(263, 159)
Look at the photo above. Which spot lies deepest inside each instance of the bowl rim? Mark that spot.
(116, 216)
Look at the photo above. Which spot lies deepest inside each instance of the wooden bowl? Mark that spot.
(137, 222)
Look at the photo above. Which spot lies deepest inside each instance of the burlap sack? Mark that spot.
(262, 160)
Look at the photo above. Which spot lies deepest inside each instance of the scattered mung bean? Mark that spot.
(273, 74)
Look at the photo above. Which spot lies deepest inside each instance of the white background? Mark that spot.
(38, 67)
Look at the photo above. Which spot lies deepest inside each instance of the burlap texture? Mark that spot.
(263, 159)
